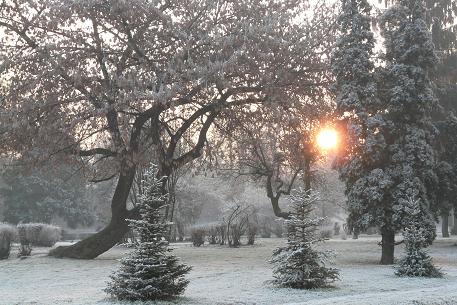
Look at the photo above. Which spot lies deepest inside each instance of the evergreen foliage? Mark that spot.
(408, 98)
(440, 18)
(362, 117)
(390, 155)
(447, 167)
(42, 194)
(416, 261)
(149, 272)
(298, 264)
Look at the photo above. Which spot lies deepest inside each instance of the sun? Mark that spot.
(327, 139)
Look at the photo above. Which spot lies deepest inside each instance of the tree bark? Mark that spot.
(454, 228)
(104, 240)
(307, 175)
(388, 247)
(445, 225)
(355, 233)
(277, 210)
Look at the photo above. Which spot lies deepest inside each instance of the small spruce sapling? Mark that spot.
(298, 264)
(149, 272)
(417, 262)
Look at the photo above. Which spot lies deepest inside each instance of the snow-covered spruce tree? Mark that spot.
(407, 96)
(416, 236)
(298, 264)
(390, 156)
(363, 159)
(149, 272)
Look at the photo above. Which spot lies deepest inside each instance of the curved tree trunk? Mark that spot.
(104, 240)
(388, 247)
(277, 210)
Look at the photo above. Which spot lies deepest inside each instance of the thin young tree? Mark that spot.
(277, 154)
(416, 261)
(149, 272)
(275, 148)
(298, 264)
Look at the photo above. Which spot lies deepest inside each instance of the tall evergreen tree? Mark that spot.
(298, 264)
(149, 272)
(440, 17)
(447, 169)
(362, 164)
(389, 156)
(408, 99)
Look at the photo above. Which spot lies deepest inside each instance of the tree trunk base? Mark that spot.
(94, 245)
(388, 248)
(445, 225)
(454, 227)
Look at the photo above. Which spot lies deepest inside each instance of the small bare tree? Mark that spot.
(237, 222)
(281, 152)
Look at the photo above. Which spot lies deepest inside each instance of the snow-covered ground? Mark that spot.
(222, 275)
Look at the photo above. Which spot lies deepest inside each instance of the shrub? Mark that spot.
(212, 235)
(325, 234)
(48, 236)
(25, 250)
(238, 216)
(336, 229)
(372, 230)
(8, 234)
(252, 231)
(277, 228)
(198, 236)
(265, 224)
(27, 234)
(38, 234)
(216, 233)
(234, 237)
(221, 233)
(265, 234)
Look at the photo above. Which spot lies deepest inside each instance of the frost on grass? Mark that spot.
(225, 276)
(149, 272)
(298, 264)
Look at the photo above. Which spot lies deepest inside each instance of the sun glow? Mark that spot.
(327, 139)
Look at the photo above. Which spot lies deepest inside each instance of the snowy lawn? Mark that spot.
(222, 275)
